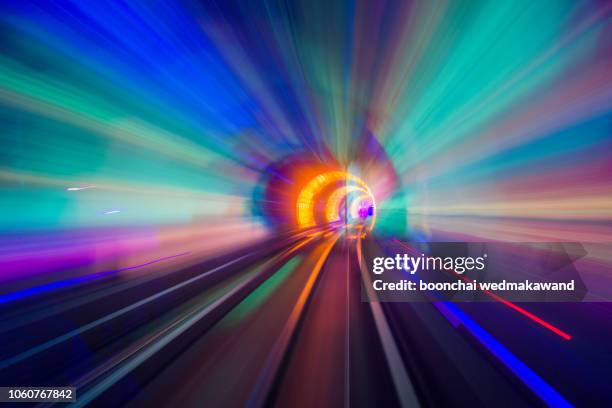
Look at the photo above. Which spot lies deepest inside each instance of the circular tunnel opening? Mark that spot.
(298, 193)
(336, 197)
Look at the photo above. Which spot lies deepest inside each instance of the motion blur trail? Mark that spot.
(192, 195)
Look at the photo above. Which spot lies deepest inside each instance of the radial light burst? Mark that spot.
(191, 192)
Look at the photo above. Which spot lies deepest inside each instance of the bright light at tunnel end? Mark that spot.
(337, 197)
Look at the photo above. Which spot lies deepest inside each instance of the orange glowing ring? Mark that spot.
(306, 199)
